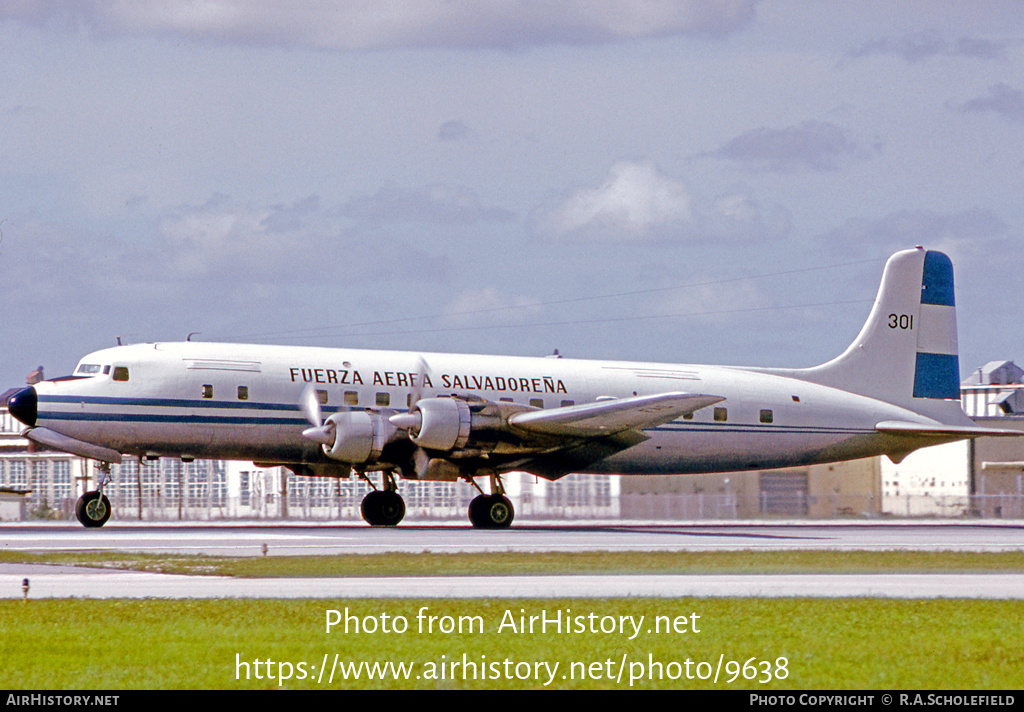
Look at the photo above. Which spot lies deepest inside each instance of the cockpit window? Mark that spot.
(120, 373)
(87, 369)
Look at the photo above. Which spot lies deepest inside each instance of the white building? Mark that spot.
(948, 480)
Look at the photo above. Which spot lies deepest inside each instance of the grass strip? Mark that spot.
(859, 644)
(518, 563)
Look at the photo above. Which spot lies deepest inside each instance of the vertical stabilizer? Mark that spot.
(906, 353)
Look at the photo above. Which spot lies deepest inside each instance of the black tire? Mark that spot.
(92, 509)
(382, 508)
(392, 509)
(491, 512)
(476, 512)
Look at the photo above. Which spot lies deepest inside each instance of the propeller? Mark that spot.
(321, 432)
(413, 419)
(417, 388)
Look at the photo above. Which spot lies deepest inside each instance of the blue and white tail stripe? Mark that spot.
(937, 365)
(906, 352)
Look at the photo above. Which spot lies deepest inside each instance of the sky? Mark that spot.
(688, 181)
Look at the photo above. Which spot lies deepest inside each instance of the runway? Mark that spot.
(305, 539)
(291, 539)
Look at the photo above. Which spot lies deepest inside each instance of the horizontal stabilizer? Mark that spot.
(612, 416)
(56, 441)
(900, 427)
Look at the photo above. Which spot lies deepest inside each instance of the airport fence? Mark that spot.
(435, 501)
(662, 507)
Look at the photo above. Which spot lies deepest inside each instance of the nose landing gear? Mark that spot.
(93, 508)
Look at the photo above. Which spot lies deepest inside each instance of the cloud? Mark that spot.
(454, 131)
(224, 236)
(635, 200)
(378, 24)
(436, 204)
(921, 46)
(813, 145)
(738, 216)
(1003, 100)
(288, 218)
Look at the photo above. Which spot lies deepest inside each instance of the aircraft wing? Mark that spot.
(612, 416)
(938, 430)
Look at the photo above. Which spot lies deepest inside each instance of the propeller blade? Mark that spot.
(310, 405)
(322, 432)
(421, 375)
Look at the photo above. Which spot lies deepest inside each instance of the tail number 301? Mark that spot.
(901, 321)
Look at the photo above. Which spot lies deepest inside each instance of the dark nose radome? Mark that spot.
(23, 405)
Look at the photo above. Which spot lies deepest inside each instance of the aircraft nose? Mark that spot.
(23, 405)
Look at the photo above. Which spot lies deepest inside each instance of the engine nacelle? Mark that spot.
(463, 426)
(359, 436)
(445, 424)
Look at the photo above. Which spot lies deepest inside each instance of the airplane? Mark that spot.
(448, 417)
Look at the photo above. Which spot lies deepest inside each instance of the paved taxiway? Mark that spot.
(233, 539)
(290, 539)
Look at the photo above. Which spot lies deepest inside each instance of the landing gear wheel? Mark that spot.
(383, 508)
(492, 511)
(93, 509)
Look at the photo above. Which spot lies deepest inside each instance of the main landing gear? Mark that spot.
(386, 508)
(491, 511)
(383, 508)
(93, 508)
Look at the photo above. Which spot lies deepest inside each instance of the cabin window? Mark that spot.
(567, 403)
(767, 416)
(506, 400)
(243, 393)
(321, 397)
(207, 390)
(721, 414)
(383, 399)
(351, 398)
(120, 373)
(537, 402)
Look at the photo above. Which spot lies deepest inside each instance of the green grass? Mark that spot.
(863, 643)
(427, 564)
(828, 644)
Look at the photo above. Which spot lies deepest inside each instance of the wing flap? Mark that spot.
(612, 416)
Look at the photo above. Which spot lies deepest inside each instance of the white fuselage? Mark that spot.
(238, 401)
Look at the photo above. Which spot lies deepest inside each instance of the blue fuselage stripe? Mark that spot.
(254, 411)
(168, 403)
